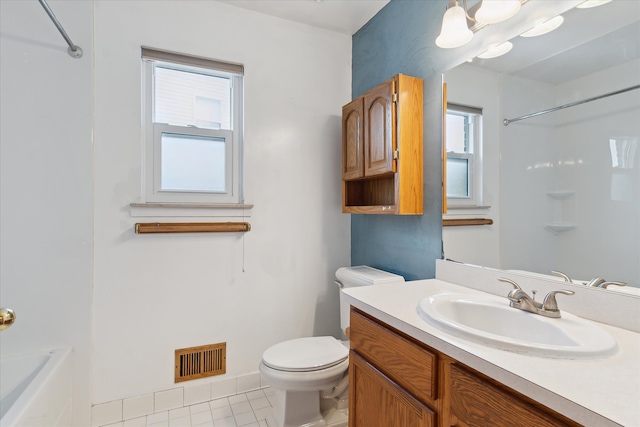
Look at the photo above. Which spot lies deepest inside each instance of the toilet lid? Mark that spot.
(305, 354)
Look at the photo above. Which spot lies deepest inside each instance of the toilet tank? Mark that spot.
(361, 275)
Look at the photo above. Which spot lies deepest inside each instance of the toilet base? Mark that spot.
(332, 418)
(307, 409)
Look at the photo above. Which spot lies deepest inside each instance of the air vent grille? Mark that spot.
(199, 362)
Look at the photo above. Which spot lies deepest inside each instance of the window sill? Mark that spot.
(465, 210)
(189, 210)
(464, 215)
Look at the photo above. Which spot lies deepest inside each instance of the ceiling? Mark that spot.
(581, 46)
(344, 16)
(588, 41)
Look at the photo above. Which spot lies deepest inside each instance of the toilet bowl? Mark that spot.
(309, 375)
(299, 370)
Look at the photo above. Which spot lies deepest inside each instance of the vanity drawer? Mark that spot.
(409, 364)
(478, 401)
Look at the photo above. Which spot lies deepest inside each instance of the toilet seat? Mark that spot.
(305, 354)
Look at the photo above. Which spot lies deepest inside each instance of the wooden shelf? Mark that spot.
(191, 227)
(466, 221)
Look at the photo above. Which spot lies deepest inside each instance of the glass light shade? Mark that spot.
(544, 27)
(496, 51)
(592, 3)
(455, 31)
(494, 11)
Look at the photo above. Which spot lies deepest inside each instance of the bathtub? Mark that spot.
(35, 389)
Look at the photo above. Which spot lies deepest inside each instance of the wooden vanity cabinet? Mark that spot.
(397, 381)
(376, 400)
(382, 149)
(476, 400)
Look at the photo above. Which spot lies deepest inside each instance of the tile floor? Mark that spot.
(241, 410)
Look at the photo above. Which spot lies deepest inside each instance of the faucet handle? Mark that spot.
(563, 275)
(605, 284)
(516, 287)
(550, 303)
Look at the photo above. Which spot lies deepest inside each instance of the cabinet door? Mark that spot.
(352, 140)
(478, 402)
(379, 130)
(376, 401)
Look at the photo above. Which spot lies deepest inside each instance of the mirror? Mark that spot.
(563, 188)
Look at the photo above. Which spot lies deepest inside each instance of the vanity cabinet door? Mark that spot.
(476, 401)
(375, 400)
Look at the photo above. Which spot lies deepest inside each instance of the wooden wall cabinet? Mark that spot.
(395, 380)
(382, 149)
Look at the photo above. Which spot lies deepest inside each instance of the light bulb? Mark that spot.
(494, 11)
(455, 31)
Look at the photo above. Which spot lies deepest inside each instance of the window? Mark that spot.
(193, 129)
(464, 159)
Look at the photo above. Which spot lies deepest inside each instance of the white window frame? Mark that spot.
(152, 132)
(474, 158)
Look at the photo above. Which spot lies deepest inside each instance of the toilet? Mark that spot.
(308, 376)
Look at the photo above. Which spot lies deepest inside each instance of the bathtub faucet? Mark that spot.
(7, 318)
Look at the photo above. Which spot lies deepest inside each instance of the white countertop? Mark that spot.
(593, 392)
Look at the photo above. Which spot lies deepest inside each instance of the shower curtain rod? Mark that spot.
(73, 50)
(571, 104)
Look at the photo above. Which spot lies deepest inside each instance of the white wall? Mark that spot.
(46, 184)
(464, 243)
(156, 293)
(606, 241)
(528, 154)
(569, 151)
(515, 162)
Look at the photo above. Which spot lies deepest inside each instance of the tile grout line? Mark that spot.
(247, 409)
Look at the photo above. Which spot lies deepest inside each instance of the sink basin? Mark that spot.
(489, 320)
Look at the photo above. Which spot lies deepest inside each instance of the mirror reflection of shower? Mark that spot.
(562, 188)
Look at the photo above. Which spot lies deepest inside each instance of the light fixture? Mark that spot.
(592, 3)
(544, 27)
(494, 11)
(455, 31)
(496, 51)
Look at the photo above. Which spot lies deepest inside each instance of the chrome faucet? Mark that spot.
(521, 300)
(596, 282)
(599, 282)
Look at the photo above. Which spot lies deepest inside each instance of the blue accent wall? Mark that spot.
(400, 39)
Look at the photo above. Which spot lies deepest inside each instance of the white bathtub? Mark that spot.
(35, 389)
